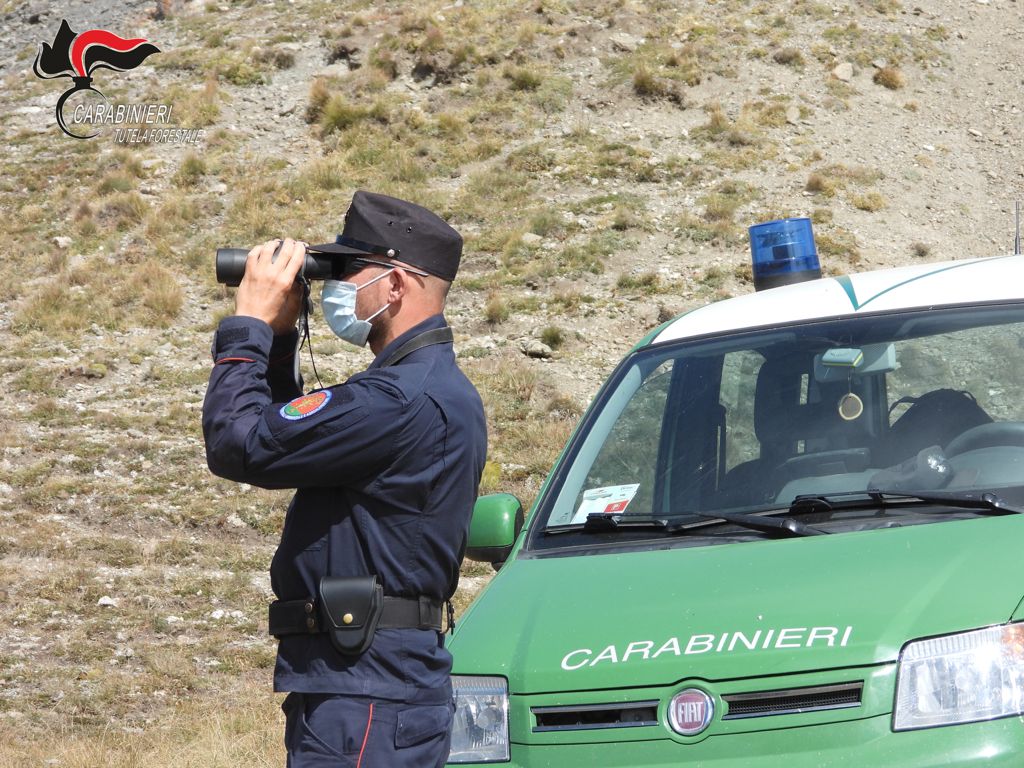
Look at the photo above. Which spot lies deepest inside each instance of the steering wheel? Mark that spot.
(986, 436)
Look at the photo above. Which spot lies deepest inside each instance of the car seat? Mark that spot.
(798, 435)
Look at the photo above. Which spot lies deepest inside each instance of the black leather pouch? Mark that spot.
(350, 608)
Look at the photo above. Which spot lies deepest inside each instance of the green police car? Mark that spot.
(787, 532)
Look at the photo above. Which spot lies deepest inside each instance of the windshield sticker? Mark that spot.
(610, 500)
(727, 642)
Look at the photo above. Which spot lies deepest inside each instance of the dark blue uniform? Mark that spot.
(386, 468)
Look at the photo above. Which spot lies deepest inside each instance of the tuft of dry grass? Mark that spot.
(790, 57)
(338, 114)
(191, 170)
(869, 201)
(522, 78)
(647, 85)
(553, 336)
(319, 93)
(647, 282)
(496, 310)
(198, 108)
(160, 296)
(279, 58)
(828, 180)
(889, 77)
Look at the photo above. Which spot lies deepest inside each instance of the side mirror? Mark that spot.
(497, 521)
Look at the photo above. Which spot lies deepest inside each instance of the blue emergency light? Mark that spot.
(783, 253)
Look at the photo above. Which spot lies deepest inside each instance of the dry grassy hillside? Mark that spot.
(603, 160)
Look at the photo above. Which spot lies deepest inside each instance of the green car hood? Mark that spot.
(654, 617)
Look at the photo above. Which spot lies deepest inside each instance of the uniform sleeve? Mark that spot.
(283, 368)
(320, 439)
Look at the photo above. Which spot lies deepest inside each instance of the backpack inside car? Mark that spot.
(933, 418)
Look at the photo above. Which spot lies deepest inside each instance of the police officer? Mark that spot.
(386, 467)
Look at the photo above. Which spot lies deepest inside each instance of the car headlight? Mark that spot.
(480, 729)
(961, 678)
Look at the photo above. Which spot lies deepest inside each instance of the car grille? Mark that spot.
(792, 701)
(789, 701)
(591, 716)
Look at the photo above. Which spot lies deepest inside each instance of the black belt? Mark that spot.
(301, 617)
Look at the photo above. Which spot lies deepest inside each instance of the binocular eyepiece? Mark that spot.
(230, 265)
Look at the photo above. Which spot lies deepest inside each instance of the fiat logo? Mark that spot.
(690, 711)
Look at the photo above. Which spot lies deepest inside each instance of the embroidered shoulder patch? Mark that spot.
(307, 405)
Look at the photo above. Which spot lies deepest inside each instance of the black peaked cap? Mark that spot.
(378, 225)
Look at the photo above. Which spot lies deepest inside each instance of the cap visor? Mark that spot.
(341, 250)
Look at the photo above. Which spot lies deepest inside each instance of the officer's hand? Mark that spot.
(268, 290)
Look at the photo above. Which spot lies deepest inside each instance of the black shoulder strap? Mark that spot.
(425, 339)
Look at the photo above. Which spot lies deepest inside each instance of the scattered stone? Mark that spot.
(975, 132)
(879, 63)
(219, 188)
(536, 348)
(624, 42)
(843, 72)
(235, 521)
(62, 241)
(530, 238)
(793, 115)
(107, 602)
(91, 371)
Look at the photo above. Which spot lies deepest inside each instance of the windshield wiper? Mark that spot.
(986, 502)
(599, 521)
(779, 526)
(782, 526)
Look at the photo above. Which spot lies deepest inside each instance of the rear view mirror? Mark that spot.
(840, 363)
(497, 521)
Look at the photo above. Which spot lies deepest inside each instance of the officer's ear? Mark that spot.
(397, 284)
(401, 282)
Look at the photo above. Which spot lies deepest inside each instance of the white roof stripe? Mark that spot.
(953, 282)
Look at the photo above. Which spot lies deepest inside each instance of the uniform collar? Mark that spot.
(435, 321)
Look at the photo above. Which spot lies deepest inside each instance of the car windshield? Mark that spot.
(915, 400)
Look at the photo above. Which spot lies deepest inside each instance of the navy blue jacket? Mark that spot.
(386, 467)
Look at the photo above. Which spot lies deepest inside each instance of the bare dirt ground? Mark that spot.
(130, 581)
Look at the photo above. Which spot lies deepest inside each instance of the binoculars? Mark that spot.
(230, 265)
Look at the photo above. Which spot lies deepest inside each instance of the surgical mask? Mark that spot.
(338, 302)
